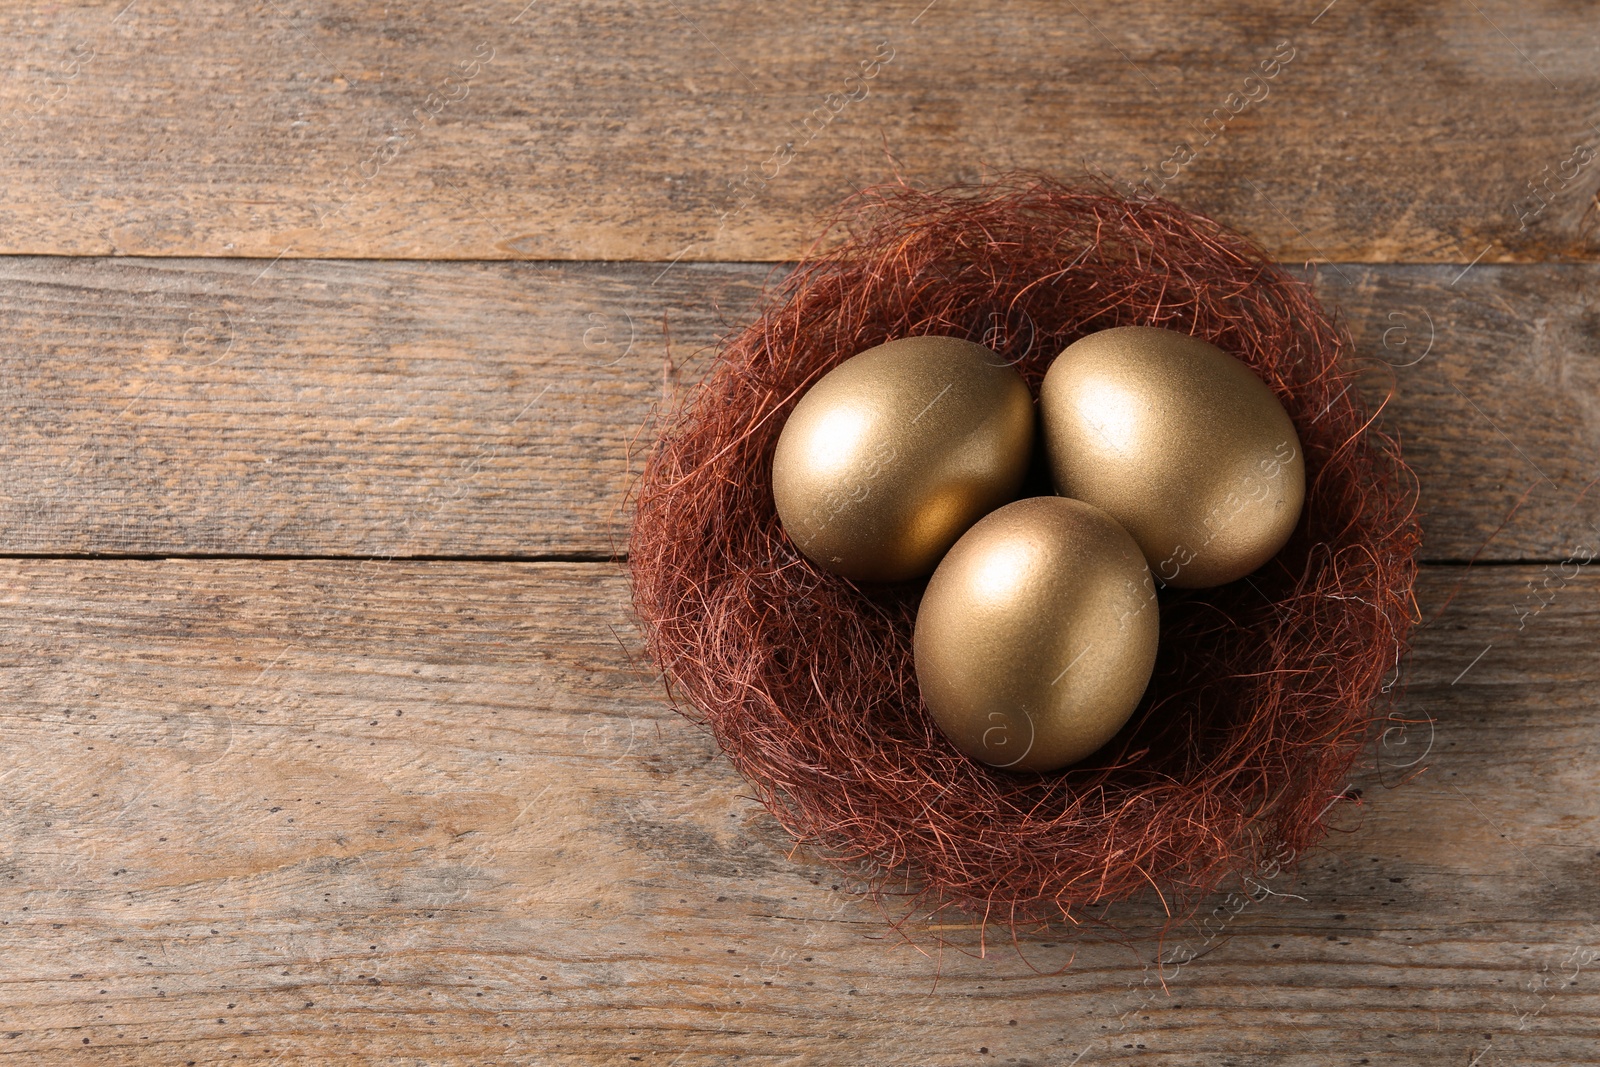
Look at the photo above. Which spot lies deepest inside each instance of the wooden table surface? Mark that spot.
(333, 333)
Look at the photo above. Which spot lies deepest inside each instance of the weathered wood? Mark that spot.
(718, 131)
(333, 812)
(382, 409)
(1495, 375)
(335, 408)
(328, 811)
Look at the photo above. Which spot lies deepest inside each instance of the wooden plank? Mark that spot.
(335, 408)
(406, 409)
(331, 812)
(1495, 383)
(720, 130)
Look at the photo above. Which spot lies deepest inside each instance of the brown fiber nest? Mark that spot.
(1265, 690)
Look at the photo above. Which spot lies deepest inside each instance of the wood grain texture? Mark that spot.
(332, 812)
(427, 409)
(284, 810)
(1392, 131)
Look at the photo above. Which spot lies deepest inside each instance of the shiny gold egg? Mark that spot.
(1181, 443)
(1036, 636)
(891, 455)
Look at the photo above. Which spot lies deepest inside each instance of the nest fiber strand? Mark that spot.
(1264, 689)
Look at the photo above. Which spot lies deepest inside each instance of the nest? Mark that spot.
(1265, 690)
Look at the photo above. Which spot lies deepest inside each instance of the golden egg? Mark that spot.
(891, 455)
(1181, 443)
(1036, 636)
